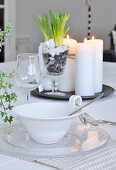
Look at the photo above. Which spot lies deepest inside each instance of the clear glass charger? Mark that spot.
(15, 141)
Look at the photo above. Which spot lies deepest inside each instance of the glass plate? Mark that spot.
(15, 141)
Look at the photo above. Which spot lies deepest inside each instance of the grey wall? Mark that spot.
(103, 19)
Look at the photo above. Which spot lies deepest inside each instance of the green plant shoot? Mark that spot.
(53, 26)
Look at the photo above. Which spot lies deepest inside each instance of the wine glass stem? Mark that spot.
(28, 96)
(53, 85)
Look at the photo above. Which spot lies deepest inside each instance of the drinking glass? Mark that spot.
(28, 75)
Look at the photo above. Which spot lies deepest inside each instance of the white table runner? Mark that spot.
(101, 159)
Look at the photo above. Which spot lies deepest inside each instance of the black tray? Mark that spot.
(106, 89)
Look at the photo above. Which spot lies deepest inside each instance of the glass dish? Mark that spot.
(15, 141)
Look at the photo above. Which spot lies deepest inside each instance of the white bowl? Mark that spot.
(46, 122)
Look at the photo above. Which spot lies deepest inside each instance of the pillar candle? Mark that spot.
(67, 79)
(84, 85)
(98, 48)
(72, 46)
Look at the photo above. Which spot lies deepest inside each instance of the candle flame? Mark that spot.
(85, 40)
(93, 38)
(67, 36)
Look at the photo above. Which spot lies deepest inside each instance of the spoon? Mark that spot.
(87, 104)
(74, 103)
(87, 119)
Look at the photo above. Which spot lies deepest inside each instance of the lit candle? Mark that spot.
(72, 45)
(67, 79)
(84, 85)
(98, 47)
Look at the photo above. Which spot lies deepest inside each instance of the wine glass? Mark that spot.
(55, 61)
(28, 75)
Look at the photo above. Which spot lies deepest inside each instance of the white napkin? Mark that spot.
(101, 159)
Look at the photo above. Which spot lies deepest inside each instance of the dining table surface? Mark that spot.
(105, 108)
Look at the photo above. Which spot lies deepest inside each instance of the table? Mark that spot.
(105, 108)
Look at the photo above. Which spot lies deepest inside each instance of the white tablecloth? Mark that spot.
(105, 108)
